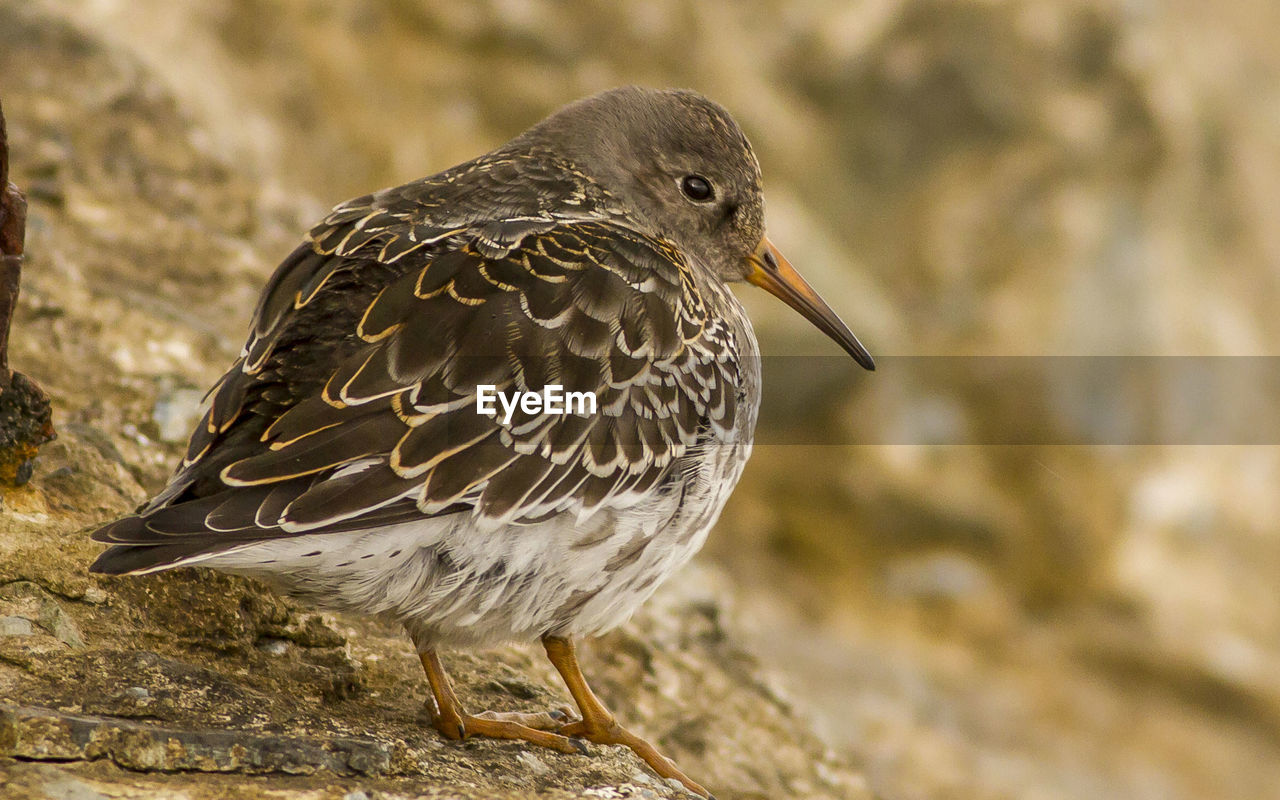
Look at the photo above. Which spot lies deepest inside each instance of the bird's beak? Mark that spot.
(773, 273)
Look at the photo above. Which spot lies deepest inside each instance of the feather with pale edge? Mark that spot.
(353, 405)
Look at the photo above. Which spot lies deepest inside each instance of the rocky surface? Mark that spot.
(1022, 178)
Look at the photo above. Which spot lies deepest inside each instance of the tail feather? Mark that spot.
(137, 556)
(174, 536)
(134, 559)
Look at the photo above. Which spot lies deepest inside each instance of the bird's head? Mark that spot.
(687, 170)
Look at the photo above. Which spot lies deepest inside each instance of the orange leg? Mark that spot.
(454, 723)
(597, 724)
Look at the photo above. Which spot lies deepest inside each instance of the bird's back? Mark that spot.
(352, 408)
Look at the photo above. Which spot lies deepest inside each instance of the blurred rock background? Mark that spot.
(1029, 178)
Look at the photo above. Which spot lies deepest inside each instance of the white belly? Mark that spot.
(451, 582)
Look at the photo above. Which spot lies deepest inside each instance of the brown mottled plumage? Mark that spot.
(343, 457)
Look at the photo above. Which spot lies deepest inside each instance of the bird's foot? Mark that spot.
(608, 731)
(534, 728)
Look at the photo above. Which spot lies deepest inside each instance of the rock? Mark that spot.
(53, 620)
(15, 626)
(176, 413)
(276, 647)
(45, 782)
(32, 602)
(40, 734)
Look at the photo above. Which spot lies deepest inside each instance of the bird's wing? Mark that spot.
(355, 405)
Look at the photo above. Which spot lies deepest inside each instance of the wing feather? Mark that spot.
(354, 403)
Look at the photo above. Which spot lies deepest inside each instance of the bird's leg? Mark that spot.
(598, 725)
(454, 723)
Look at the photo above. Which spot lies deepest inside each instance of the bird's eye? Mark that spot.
(696, 188)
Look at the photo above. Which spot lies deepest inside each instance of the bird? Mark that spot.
(344, 460)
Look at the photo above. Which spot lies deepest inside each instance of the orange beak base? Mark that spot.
(773, 273)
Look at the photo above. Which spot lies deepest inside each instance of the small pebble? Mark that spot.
(16, 626)
(53, 619)
(139, 692)
(69, 788)
(533, 764)
(275, 647)
(357, 794)
(131, 430)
